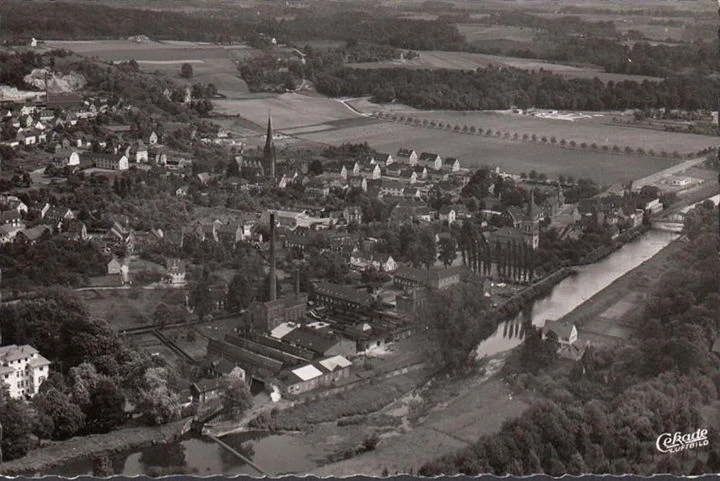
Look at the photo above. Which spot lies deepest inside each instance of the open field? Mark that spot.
(288, 110)
(211, 63)
(514, 157)
(594, 127)
(127, 308)
(469, 61)
(475, 32)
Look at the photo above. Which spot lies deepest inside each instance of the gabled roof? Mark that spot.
(428, 157)
(343, 292)
(563, 329)
(335, 362)
(405, 152)
(450, 161)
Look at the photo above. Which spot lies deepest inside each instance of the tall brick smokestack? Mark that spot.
(273, 278)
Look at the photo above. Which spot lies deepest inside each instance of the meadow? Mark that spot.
(470, 61)
(477, 33)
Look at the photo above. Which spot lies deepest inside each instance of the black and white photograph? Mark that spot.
(340, 238)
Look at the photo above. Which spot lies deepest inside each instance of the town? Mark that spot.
(167, 266)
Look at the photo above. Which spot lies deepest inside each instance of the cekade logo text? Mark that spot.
(674, 443)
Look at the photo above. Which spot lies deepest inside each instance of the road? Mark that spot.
(675, 169)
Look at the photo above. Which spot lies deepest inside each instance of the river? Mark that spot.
(574, 290)
(204, 457)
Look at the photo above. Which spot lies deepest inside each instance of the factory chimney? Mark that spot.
(273, 278)
(297, 282)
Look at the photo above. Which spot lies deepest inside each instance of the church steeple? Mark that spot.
(269, 151)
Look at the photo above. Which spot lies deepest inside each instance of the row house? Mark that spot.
(392, 188)
(105, 161)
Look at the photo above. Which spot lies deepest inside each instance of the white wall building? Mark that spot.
(22, 370)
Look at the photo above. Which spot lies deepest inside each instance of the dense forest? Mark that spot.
(494, 88)
(605, 415)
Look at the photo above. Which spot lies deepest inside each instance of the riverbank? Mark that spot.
(449, 415)
(86, 447)
(610, 315)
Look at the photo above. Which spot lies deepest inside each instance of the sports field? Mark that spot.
(435, 59)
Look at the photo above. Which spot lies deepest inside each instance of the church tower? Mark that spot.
(530, 225)
(269, 152)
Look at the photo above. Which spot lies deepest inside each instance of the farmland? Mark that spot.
(470, 61)
(515, 157)
(289, 110)
(478, 33)
(327, 121)
(599, 128)
(215, 64)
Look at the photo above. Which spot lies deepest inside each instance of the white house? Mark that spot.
(407, 156)
(22, 370)
(153, 139)
(430, 160)
(73, 159)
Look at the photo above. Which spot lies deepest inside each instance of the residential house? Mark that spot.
(412, 193)
(430, 160)
(451, 164)
(141, 153)
(153, 140)
(10, 217)
(207, 389)
(358, 182)
(384, 160)
(392, 188)
(22, 370)
(421, 172)
(182, 191)
(34, 234)
(409, 176)
(371, 172)
(352, 214)
(447, 214)
(317, 188)
(56, 216)
(437, 175)
(8, 232)
(114, 266)
(567, 336)
(407, 157)
(75, 230)
(368, 260)
(350, 168)
(234, 232)
(176, 271)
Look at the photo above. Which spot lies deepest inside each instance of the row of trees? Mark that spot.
(532, 137)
